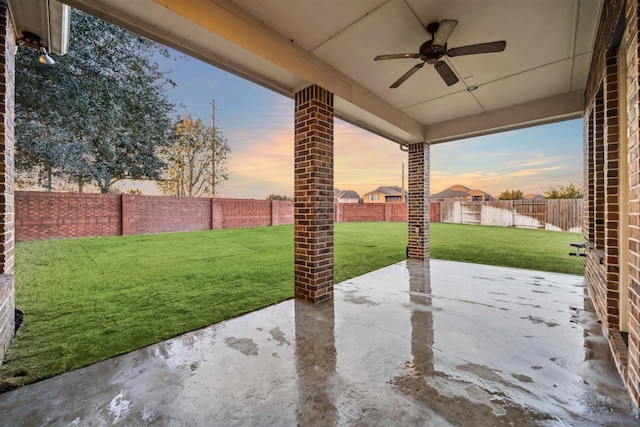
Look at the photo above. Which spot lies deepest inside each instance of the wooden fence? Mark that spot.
(557, 215)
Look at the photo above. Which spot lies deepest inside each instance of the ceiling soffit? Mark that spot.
(287, 45)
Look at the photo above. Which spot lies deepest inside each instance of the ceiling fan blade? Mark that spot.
(442, 35)
(446, 73)
(397, 56)
(406, 75)
(477, 48)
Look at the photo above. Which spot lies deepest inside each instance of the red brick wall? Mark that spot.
(606, 238)
(360, 212)
(61, 215)
(161, 214)
(7, 79)
(632, 245)
(245, 213)
(370, 212)
(42, 215)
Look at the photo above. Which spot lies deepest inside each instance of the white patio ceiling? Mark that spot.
(286, 45)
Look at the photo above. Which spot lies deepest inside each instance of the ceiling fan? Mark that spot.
(432, 50)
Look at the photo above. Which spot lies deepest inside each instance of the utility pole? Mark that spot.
(213, 147)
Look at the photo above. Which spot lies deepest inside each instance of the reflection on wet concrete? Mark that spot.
(315, 363)
(415, 343)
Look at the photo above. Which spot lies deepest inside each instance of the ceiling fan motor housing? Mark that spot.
(428, 54)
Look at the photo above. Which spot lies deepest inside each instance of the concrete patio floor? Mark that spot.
(435, 344)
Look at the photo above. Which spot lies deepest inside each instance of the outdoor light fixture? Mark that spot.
(33, 41)
(44, 57)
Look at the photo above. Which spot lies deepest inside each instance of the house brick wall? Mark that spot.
(603, 210)
(611, 187)
(313, 184)
(7, 89)
(633, 158)
(588, 224)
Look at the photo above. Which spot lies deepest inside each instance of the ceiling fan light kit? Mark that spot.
(433, 50)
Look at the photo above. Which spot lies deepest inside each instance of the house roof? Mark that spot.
(533, 196)
(388, 190)
(458, 191)
(286, 46)
(347, 194)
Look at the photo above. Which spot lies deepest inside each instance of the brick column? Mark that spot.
(611, 187)
(632, 245)
(313, 206)
(588, 222)
(7, 91)
(419, 201)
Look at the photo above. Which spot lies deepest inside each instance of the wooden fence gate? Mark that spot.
(526, 210)
(471, 212)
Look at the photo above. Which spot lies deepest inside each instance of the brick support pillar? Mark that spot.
(313, 206)
(611, 187)
(419, 201)
(7, 92)
(632, 245)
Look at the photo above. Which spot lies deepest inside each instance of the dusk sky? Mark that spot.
(258, 125)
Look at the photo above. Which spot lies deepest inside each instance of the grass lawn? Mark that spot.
(86, 300)
(509, 247)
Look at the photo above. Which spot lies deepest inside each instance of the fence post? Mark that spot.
(217, 212)
(275, 220)
(129, 219)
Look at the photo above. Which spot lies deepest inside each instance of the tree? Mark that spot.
(564, 192)
(99, 114)
(277, 197)
(189, 159)
(511, 195)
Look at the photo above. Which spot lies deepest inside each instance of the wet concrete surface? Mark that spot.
(431, 344)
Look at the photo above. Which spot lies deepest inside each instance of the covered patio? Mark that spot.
(416, 343)
(561, 60)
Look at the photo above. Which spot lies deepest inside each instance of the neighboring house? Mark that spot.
(385, 194)
(346, 196)
(533, 197)
(462, 193)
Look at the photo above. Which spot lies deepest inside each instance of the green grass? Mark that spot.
(86, 300)
(509, 247)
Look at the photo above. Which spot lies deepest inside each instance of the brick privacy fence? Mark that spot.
(41, 215)
(388, 212)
